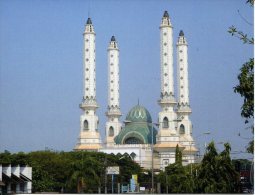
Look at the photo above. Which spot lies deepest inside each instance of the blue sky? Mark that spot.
(41, 66)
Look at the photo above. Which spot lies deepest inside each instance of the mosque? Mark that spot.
(147, 143)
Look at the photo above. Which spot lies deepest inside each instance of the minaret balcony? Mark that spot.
(113, 113)
(184, 108)
(88, 105)
(167, 99)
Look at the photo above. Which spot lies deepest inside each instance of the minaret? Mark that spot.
(183, 108)
(113, 113)
(183, 85)
(89, 138)
(167, 116)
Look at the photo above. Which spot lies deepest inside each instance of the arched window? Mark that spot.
(165, 123)
(111, 131)
(85, 125)
(182, 129)
(133, 140)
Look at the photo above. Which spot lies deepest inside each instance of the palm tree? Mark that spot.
(85, 175)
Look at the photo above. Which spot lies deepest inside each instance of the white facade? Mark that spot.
(140, 153)
(175, 127)
(27, 172)
(15, 179)
(113, 125)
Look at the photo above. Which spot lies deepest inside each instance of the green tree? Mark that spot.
(176, 177)
(5, 158)
(84, 178)
(216, 173)
(71, 172)
(178, 155)
(245, 87)
(178, 180)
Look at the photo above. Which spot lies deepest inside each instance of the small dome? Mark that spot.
(138, 128)
(166, 15)
(139, 114)
(113, 38)
(89, 21)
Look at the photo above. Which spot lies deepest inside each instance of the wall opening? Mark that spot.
(85, 125)
(165, 122)
(182, 129)
(111, 131)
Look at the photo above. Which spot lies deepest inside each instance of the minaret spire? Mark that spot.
(167, 101)
(113, 113)
(184, 127)
(166, 56)
(182, 71)
(167, 116)
(183, 84)
(89, 138)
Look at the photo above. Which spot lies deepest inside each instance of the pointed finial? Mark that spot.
(181, 34)
(138, 102)
(89, 21)
(113, 38)
(166, 15)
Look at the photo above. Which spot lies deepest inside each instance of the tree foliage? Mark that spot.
(71, 172)
(178, 155)
(246, 80)
(216, 173)
(241, 35)
(175, 177)
(178, 180)
(246, 89)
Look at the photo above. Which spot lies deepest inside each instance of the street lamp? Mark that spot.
(152, 164)
(205, 133)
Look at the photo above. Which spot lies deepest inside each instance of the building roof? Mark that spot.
(190, 149)
(169, 145)
(139, 114)
(138, 126)
(88, 147)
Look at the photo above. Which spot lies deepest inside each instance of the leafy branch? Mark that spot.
(241, 35)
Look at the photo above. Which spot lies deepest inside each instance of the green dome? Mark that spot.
(138, 128)
(139, 114)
